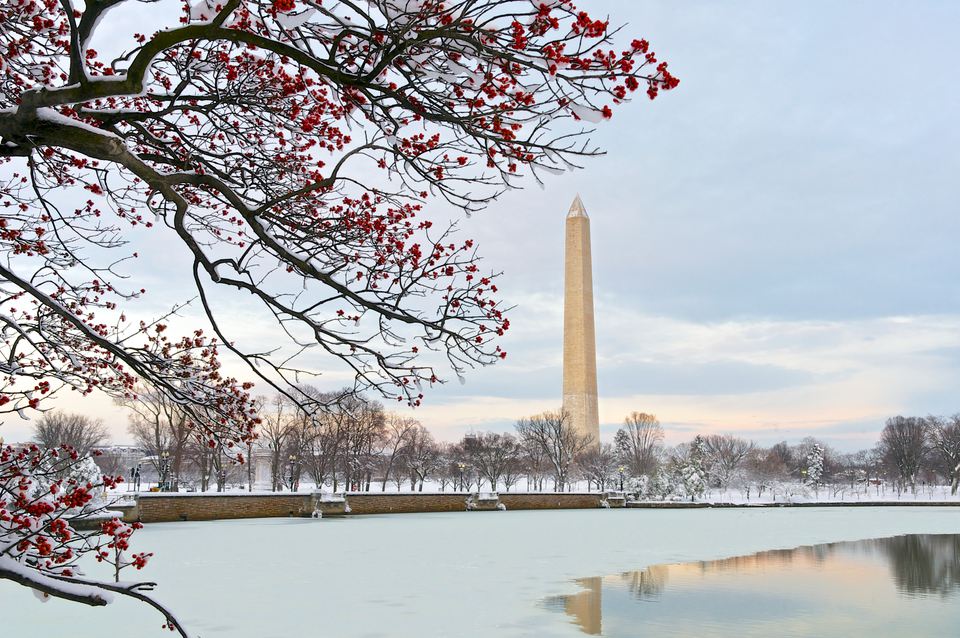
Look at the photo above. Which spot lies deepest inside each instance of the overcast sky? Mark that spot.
(775, 242)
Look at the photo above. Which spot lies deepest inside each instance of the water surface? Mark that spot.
(889, 587)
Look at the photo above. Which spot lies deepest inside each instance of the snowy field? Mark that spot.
(428, 575)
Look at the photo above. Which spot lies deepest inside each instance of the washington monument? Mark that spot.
(579, 340)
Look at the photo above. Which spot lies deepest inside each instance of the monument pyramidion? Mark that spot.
(579, 338)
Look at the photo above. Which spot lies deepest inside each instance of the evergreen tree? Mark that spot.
(815, 466)
(692, 473)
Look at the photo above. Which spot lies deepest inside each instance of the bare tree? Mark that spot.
(364, 429)
(554, 435)
(535, 463)
(945, 439)
(782, 455)
(79, 431)
(320, 461)
(422, 456)
(226, 468)
(767, 467)
(639, 443)
(300, 445)
(492, 454)
(725, 456)
(161, 427)
(447, 472)
(398, 432)
(598, 464)
(905, 444)
(513, 469)
(275, 428)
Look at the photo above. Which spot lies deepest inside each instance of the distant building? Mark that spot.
(120, 459)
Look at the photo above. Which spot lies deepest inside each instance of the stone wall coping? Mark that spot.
(122, 505)
(221, 494)
(237, 494)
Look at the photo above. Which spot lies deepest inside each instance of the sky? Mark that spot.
(774, 242)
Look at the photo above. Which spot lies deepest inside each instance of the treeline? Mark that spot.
(911, 451)
(356, 444)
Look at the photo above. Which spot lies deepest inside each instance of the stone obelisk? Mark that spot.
(579, 339)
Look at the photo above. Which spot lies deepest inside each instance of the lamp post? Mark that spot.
(620, 471)
(293, 462)
(164, 470)
(461, 466)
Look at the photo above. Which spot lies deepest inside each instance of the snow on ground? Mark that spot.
(781, 493)
(428, 575)
(841, 493)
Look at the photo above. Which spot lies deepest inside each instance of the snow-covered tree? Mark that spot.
(814, 469)
(289, 146)
(661, 486)
(691, 471)
(692, 481)
(42, 492)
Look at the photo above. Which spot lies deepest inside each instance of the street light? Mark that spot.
(293, 462)
(164, 470)
(462, 466)
(620, 470)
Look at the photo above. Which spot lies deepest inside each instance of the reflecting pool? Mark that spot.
(900, 586)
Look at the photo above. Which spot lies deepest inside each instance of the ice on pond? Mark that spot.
(454, 574)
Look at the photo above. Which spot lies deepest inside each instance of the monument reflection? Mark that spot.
(880, 587)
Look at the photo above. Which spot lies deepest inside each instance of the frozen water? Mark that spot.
(419, 575)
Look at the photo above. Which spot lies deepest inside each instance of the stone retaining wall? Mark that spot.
(559, 501)
(159, 508)
(163, 508)
(372, 503)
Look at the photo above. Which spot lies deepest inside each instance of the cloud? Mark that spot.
(766, 378)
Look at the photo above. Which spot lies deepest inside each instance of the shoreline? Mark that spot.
(160, 507)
